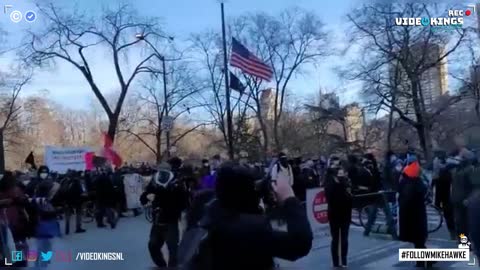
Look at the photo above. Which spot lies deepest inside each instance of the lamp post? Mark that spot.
(164, 74)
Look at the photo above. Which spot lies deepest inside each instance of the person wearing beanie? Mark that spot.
(413, 227)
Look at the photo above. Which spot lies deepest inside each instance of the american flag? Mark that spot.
(242, 58)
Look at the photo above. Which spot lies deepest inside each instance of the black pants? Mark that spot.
(78, 217)
(442, 200)
(159, 234)
(339, 246)
(109, 212)
(461, 221)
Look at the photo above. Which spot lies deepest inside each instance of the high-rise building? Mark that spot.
(267, 103)
(354, 122)
(352, 127)
(433, 81)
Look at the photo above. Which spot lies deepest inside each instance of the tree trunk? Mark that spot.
(275, 136)
(2, 153)
(477, 109)
(158, 146)
(390, 131)
(266, 140)
(425, 138)
(112, 126)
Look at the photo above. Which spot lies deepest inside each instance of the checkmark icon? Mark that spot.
(30, 16)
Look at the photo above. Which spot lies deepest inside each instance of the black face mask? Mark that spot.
(284, 162)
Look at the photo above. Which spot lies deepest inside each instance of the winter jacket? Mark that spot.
(461, 185)
(47, 224)
(473, 208)
(248, 241)
(339, 200)
(16, 214)
(170, 201)
(105, 191)
(412, 210)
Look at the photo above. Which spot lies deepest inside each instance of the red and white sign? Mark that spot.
(317, 211)
(320, 208)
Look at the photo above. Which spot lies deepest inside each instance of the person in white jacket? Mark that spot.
(282, 169)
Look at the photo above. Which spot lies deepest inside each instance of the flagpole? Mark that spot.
(227, 89)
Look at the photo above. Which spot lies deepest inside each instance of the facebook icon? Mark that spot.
(17, 256)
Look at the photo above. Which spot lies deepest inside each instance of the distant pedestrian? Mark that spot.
(339, 198)
(282, 169)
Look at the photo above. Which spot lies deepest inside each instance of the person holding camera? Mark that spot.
(339, 199)
(241, 236)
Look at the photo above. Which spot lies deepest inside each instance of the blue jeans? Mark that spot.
(44, 245)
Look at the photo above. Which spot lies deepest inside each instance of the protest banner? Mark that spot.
(61, 159)
(133, 186)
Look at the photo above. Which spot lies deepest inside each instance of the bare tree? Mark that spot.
(72, 39)
(207, 46)
(289, 42)
(396, 60)
(469, 75)
(146, 121)
(10, 88)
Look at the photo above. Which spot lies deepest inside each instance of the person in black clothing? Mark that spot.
(170, 199)
(74, 195)
(105, 199)
(43, 173)
(373, 181)
(443, 185)
(339, 198)
(241, 236)
(413, 225)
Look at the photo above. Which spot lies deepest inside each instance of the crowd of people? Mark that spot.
(233, 204)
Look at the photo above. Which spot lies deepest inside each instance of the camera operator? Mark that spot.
(169, 198)
(241, 237)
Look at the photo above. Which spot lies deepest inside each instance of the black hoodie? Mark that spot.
(243, 238)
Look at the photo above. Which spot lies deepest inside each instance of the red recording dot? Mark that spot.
(468, 12)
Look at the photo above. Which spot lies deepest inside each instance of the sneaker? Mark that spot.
(101, 225)
(80, 230)
(113, 224)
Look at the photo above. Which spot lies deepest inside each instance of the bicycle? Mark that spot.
(148, 212)
(434, 215)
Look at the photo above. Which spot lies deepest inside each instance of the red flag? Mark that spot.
(109, 153)
(89, 161)
(113, 157)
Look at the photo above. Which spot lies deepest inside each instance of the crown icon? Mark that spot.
(462, 235)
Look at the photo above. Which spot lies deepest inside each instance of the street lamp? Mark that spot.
(141, 36)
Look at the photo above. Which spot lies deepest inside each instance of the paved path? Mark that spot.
(131, 236)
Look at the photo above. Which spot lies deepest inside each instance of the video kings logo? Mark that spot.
(455, 18)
